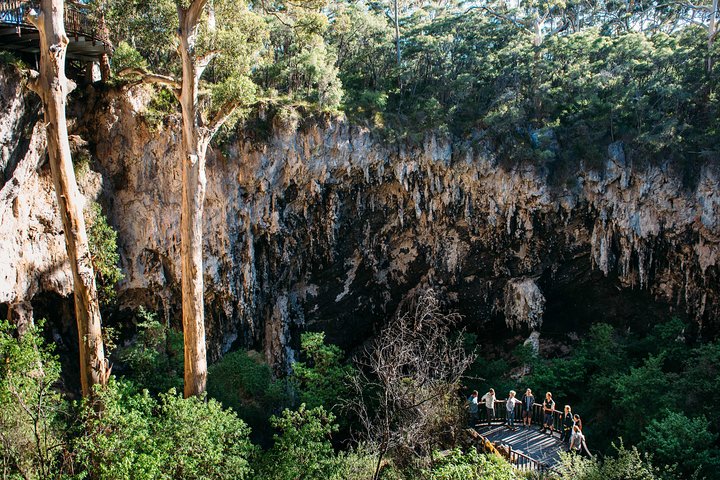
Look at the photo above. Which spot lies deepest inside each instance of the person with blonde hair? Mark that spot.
(567, 424)
(510, 407)
(528, 400)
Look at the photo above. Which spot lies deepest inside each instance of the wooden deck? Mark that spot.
(541, 447)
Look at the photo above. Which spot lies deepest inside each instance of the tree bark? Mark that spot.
(712, 33)
(53, 87)
(397, 32)
(194, 149)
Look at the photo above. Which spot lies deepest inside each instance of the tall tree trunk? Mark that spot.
(53, 86)
(397, 32)
(712, 33)
(194, 148)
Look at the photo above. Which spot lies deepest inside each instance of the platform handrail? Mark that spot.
(78, 21)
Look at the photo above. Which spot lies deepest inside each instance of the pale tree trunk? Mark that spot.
(194, 147)
(397, 32)
(53, 86)
(712, 33)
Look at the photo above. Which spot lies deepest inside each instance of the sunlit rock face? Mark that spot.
(321, 226)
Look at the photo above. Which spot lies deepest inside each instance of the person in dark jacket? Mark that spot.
(567, 424)
(548, 410)
(528, 400)
(473, 409)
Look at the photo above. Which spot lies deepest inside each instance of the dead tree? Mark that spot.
(406, 391)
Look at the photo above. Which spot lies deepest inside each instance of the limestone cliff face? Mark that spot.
(322, 227)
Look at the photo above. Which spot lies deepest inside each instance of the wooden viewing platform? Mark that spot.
(88, 40)
(541, 449)
(525, 447)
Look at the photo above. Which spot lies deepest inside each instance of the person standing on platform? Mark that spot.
(548, 409)
(474, 409)
(577, 439)
(528, 400)
(510, 407)
(567, 424)
(489, 400)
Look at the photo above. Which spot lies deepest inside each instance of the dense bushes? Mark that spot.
(33, 415)
(321, 378)
(139, 436)
(459, 465)
(154, 360)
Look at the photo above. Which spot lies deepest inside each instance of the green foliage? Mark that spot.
(354, 464)
(162, 105)
(146, 28)
(102, 239)
(323, 379)
(459, 465)
(624, 465)
(81, 160)
(632, 391)
(155, 360)
(126, 56)
(9, 58)
(299, 63)
(302, 449)
(243, 381)
(137, 436)
(677, 439)
(32, 413)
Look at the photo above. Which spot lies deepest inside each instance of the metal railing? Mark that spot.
(78, 22)
(537, 416)
(528, 464)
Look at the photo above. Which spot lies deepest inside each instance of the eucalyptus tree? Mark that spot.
(52, 86)
(225, 34)
(705, 14)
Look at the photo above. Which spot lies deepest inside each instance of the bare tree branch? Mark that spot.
(412, 371)
(152, 78)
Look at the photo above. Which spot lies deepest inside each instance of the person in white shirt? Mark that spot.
(489, 400)
(576, 440)
(510, 407)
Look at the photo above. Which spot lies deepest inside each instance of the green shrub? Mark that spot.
(459, 465)
(155, 360)
(126, 56)
(354, 464)
(624, 465)
(102, 239)
(243, 381)
(33, 415)
(302, 449)
(322, 379)
(135, 436)
(677, 439)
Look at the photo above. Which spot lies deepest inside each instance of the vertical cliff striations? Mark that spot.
(320, 226)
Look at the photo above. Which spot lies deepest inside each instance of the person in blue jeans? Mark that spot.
(510, 406)
(528, 400)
